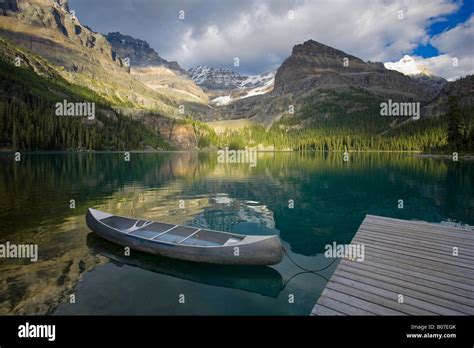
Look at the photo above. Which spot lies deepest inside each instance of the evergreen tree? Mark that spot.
(456, 129)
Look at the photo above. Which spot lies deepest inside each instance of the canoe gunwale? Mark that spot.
(246, 239)
(254, 250)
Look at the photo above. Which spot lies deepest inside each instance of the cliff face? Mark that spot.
(49, 29)
(158, 74)
(139, 52)
(314, 68)
(215, 79)
(312, 65)
(83, 57)
(463, 89)
(225, 86)
(56, 15)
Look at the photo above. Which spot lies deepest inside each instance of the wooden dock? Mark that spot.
(408, 258)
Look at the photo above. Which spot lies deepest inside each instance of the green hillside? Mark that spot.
(335, 120)
(326, 120)
(27, 121)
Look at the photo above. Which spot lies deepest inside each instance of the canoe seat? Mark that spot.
(136, 226)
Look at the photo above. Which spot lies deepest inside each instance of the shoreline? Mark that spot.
(467, 157)
(198, 150)
(416, 154)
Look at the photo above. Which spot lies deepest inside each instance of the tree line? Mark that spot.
(28, 122)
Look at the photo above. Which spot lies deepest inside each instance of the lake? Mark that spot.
(44, 197)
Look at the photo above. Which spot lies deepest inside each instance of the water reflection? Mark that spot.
(258, 279)
(330, 197)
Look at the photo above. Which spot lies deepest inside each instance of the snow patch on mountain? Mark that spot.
(417, 69)
(222, 100)
(252, 86)
(228, 85)
(214, 78)
(409, 66)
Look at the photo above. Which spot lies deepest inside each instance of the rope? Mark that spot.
(305, 269)
(300, 273)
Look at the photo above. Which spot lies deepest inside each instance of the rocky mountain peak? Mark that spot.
(411, 66)
(216, 78)
(63, 4)
(313, 65)
(314, 48)
(138, 51)
(9, 6)
(56, 17)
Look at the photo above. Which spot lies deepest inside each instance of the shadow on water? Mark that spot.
(263, 280)
(331, 198)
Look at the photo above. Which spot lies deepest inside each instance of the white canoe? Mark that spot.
(184, 242)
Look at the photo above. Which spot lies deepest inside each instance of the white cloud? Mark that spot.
(259, 33)
(450, 67)
(444, 65)
(457, 46)
(262, 35)
(458, 41)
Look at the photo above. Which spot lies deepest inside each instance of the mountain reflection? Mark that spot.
(330, 197)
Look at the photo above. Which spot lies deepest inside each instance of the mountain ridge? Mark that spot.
(317, 87)
(139, 52)
(146, 65)
(313, 66)
(85, 57)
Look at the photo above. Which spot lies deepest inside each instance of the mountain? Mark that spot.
(319, 98)
(411, 67)
(431, 82)
(462, 89)
(251, 86)
(216, 79)
(225, 85)
(312, 65)
(84, 57)
(326, 99)
(327, 79)
(56, 52)
(43, 25)
(139, 52)
(157, 73)
(29, 94)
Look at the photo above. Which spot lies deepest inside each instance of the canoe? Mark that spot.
(185, 242)
(262, 280)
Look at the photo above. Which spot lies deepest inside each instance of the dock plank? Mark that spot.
(455, 273)
(406, 250)
(322, 310)
(405, 288)
(412, 258)
(447, 291)
(423, 228)
(419, 244)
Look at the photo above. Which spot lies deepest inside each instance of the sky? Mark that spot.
(262, 33)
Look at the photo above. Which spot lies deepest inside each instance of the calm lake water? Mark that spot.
(330, 197)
